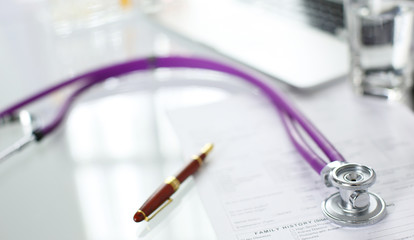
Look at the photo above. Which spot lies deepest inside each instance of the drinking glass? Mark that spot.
(380, 36)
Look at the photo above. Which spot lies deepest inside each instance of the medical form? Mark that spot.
(256, 186)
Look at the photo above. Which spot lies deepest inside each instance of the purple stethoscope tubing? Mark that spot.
(289, 114)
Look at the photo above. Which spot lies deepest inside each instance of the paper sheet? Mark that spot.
(255, 186)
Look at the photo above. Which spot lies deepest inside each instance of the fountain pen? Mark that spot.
(171, 184)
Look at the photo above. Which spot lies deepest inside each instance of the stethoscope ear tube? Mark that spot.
(99, 75)
(291, 117)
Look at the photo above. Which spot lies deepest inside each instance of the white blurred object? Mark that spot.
(291, 51)
(68, 16)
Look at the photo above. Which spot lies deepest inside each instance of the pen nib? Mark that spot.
(207, 148)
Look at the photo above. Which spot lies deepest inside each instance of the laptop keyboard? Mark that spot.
(322, 14)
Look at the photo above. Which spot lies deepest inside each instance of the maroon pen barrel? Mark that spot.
(189, 170)
(171, 184)
(157, 199)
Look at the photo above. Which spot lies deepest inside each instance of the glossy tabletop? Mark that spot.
(89, 177)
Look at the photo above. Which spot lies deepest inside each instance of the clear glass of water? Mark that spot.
(380, 38)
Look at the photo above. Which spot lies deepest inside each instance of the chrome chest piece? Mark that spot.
(353, 205)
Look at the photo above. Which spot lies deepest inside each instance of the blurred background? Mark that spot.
(87, 180)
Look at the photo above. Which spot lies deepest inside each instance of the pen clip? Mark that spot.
(169, 200)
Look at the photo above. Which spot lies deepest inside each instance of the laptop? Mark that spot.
(299, 42)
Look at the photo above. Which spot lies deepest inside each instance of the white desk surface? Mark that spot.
(80, 183)
(87, 180)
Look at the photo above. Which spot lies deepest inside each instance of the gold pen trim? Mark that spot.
(173, 182)
(169, 200)
(199, 160)
(145, 215)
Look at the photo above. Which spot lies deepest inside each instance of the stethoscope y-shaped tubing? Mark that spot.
(286, 109)
(298, 141)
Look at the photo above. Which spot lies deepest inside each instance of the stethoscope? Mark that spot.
(353, 205)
